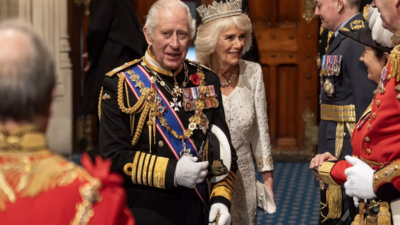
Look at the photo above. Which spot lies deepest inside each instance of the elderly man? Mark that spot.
(45, 187)
(155, 116)
(345, 94)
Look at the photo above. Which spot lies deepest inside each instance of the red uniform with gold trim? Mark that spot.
(40, 187)
(376, 138)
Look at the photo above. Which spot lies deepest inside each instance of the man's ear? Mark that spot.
(339, 5)
(147, 36)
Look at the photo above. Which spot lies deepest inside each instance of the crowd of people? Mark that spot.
(177, 138)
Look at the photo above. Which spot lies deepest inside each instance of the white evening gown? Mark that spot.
(246, 115)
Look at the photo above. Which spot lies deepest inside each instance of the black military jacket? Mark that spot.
(155, 170)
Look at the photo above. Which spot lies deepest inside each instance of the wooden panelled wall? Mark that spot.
(288, 47)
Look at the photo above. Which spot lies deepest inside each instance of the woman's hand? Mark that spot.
(268, 180)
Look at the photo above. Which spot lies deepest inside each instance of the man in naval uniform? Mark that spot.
(346, 91)
(36, 185)
(155, 113)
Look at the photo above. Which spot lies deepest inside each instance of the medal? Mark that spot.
(322, 72)
(185, 151)
(175, 104)
(329, 88)
(204, 124)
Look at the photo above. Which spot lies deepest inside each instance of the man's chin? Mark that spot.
(173, 65)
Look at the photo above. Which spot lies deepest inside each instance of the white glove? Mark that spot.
(189, 172)
(224, 219)
(359, 179)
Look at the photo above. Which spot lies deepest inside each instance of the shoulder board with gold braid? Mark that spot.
(118, 69)
(194, 63)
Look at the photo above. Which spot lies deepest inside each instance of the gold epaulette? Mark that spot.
(395, 63)
(365, 11)
(118, 69)
(386, 175)
(194, 63)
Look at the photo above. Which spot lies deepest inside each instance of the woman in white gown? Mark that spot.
(220, 44)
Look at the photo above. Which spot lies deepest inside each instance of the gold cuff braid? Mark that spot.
(325, 173)
(386, 175)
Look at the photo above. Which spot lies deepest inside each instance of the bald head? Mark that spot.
(27, 73)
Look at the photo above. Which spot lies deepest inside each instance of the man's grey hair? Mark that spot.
(151, 20)
(354, 3)
(27, 74)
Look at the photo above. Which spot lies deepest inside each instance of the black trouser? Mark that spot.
(168, 211)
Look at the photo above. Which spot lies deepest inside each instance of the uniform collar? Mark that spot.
(344, 24)
(22, 139)
(151, 62)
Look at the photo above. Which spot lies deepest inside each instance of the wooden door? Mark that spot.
(287, 37)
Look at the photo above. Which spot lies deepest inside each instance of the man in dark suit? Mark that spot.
(115, 36)
(346, 91)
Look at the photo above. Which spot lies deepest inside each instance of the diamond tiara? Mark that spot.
(219, 9)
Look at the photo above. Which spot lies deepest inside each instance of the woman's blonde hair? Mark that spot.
(208, 34)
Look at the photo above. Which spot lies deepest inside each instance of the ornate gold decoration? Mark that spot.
(218, 168)
(365, 11)
(386, 175)
(396, 38)
(160, 169)
(325, 173)
(329, 88)
(263, 161)
(334, 201)
(222, 191)
(395, 60)
(338, 113)
(90, 195)
(357, 24)
(219, 10)
(309, 7)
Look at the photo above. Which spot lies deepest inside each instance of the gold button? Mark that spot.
(374, 115)
(161, 143)
(368, 126)
(383, 91)
(368, 151)
(388, 77)
(378, 103)
(367, 139)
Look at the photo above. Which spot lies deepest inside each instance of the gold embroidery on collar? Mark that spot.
(23, 139)
(159, 70)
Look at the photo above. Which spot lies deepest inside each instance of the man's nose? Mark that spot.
(174, 42)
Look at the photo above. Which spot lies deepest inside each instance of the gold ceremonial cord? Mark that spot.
(140, 106)
(132, 110)
(99, 106)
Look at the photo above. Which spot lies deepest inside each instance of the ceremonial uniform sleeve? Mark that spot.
(102, 13)
(332, 172)
(260, 142)
(116, 143)
(222, 191)
(362, 87)
(386, 182)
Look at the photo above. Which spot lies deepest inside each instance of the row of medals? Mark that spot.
(199, 118)
(330, 66)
